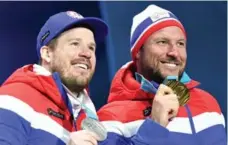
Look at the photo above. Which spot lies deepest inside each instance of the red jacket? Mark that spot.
(34, 108)
(128, 103)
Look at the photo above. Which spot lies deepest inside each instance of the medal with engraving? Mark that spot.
(180, 90)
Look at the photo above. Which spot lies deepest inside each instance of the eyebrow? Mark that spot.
(182, 39)
(93, 44)
(165, 38)
(79, 39)
(72, 39)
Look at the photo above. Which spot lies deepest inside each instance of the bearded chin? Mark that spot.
(74, 83)
(157, 76)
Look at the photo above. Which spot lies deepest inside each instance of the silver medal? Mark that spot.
(94, 126)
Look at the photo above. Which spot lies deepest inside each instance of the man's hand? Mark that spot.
(83, 137)
(165, 105)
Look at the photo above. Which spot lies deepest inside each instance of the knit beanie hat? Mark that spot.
(150, 20)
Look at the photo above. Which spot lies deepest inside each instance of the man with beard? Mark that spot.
(138, 92)
(40, 104)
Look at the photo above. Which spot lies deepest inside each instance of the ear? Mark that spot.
(138, 55)
(45, 54)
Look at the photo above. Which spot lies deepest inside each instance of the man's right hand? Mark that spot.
(165, 105)
(83, 137)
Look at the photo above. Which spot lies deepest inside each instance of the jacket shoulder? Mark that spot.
(205, 99)
(123, 111)
(25, 93)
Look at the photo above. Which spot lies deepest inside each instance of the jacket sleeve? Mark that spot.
(211, 130)
(13, 128)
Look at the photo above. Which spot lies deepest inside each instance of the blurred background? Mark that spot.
(205, 23)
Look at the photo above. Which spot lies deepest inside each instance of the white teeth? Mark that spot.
(170, 64)
(81, 66)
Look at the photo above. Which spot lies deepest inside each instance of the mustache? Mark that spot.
(171, 60)
(82, 61)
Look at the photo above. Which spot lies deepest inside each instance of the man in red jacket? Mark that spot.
(158, 49)
(40, 103)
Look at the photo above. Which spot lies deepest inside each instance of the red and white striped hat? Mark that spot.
(150, 20)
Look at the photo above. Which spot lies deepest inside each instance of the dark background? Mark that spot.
(205, 23)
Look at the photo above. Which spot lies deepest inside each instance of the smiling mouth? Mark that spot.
(82, 66)
(170, 64)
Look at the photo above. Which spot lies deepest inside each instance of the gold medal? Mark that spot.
(180, 90)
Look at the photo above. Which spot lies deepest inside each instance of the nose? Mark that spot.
(173, 51)
(86, 53)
